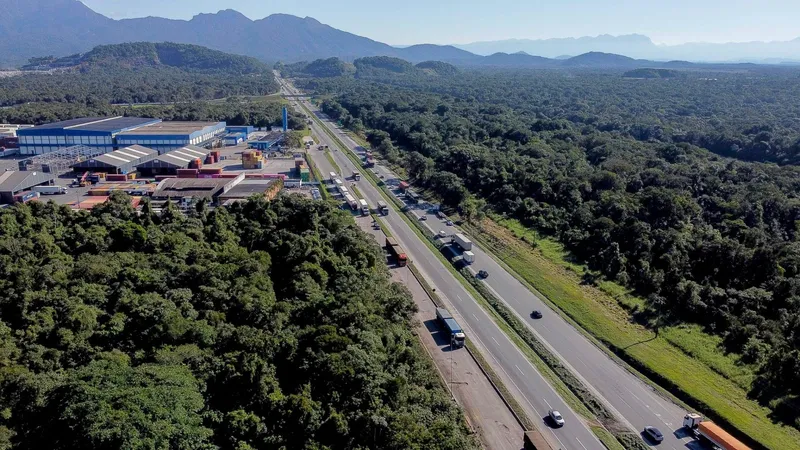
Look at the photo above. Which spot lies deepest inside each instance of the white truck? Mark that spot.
(351, 201)
(333, 177)
(468, 257)
(364, 207)
(462, 241)
(383, 207)
(49, 190)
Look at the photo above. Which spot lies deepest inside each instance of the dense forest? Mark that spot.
(140, 73)
(635, 177)
(267, 325)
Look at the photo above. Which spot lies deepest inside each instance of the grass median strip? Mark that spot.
(333, 163)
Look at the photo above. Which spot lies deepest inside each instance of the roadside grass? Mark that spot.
(333, 163)
(323, 190)
(682, 359)
(580, 405)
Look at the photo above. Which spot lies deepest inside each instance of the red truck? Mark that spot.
(396, 251)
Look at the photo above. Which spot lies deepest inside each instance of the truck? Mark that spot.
(412, 197)
(468, 257)
(49, 190)
(364, 207)
(710, 433)
(25, 196)
(333, 177)
(457, 336)
(351, 201)
(396, 251)
(383, 208)
(356, 176)
(462, 241)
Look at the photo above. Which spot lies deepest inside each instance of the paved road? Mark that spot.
(491, 419)
(533, 391)
(634, 401)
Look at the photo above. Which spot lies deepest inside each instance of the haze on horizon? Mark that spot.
(467, 21)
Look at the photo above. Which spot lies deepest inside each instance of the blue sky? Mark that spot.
(464, 21)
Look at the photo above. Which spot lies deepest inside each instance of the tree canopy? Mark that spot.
(266, 325)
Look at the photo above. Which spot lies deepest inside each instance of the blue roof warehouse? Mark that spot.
(95, 132)
(108, 134)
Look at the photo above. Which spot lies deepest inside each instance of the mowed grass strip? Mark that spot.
(683, 359)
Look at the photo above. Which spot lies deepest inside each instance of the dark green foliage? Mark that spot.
(371, 64)
(263, 326)
(321, 68)
(616, 170)
(651, 73)
(438, 67)
(142, 73)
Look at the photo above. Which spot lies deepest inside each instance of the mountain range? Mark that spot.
(37, 28)
(639, 46)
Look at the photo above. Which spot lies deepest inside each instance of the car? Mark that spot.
(556, 417)
(449, 223)
(653, 433)
(536, 314)
(442, 233)
(423, 217)
(483, 274)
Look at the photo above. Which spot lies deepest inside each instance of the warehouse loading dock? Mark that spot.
(169, 163)
(13, 182)
(117, 162)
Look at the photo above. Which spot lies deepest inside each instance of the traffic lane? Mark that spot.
(535, 391)
(480, 326)
(632, 398)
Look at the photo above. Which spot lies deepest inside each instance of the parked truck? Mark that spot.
(49, 190)
(468, 257)
(356, 176)
(462, 241)
(383, 208)
(351, 201)
(396, 251)
(450, 325)
(364, 207)
(710, 433)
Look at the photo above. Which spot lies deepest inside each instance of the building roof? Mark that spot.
(125, 157)
(174, 128)
(178, 158)
(14, 181)
(246, 188)
(110, 125)
(191, 187)
(271, 136)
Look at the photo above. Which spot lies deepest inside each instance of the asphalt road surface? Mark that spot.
(633, 400)
(534, 392)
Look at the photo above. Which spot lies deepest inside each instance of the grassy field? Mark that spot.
(682, 359)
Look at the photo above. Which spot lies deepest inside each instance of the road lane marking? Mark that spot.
(495, 340)
(520, 370)
(476, 317)
(579, 442)
(548, 403)
(556, 436)
(459, 298)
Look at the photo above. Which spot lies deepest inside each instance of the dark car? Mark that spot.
(654, 434)
(483, 274)
(536, 314)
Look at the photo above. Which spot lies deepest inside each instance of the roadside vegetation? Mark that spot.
(263, 325)
(683, 242)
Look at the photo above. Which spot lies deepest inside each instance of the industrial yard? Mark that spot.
(81, 162)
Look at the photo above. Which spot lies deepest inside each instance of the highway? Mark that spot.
(532, 390)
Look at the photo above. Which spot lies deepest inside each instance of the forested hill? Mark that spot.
(269, 325)
(379, 67)
(192, 58)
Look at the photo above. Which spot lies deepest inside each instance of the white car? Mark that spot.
(556, 417)
(442, 234)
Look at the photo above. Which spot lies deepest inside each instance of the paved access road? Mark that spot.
(532, 391)
(634, 401)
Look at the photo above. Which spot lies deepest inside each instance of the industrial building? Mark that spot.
(166, 136)
(204, 188)
(169, 163)
(232, 139)
(13, 182)
(268, 140)
(250, 187)
(247, 130)
(119, 161)
(96, 132)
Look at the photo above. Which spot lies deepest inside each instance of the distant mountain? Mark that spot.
(438, 68)
(639, 46)
(651, 73)
(519, 59)
(600, 59)
(190, 58)
(35, 28)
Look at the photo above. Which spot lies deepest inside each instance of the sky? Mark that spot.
(463, 21)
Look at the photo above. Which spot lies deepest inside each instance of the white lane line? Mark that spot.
(476, 317)
(548, 403)
(520, 370)
(459, 298)
(495, 340)
(556, 436)
(579, 442)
